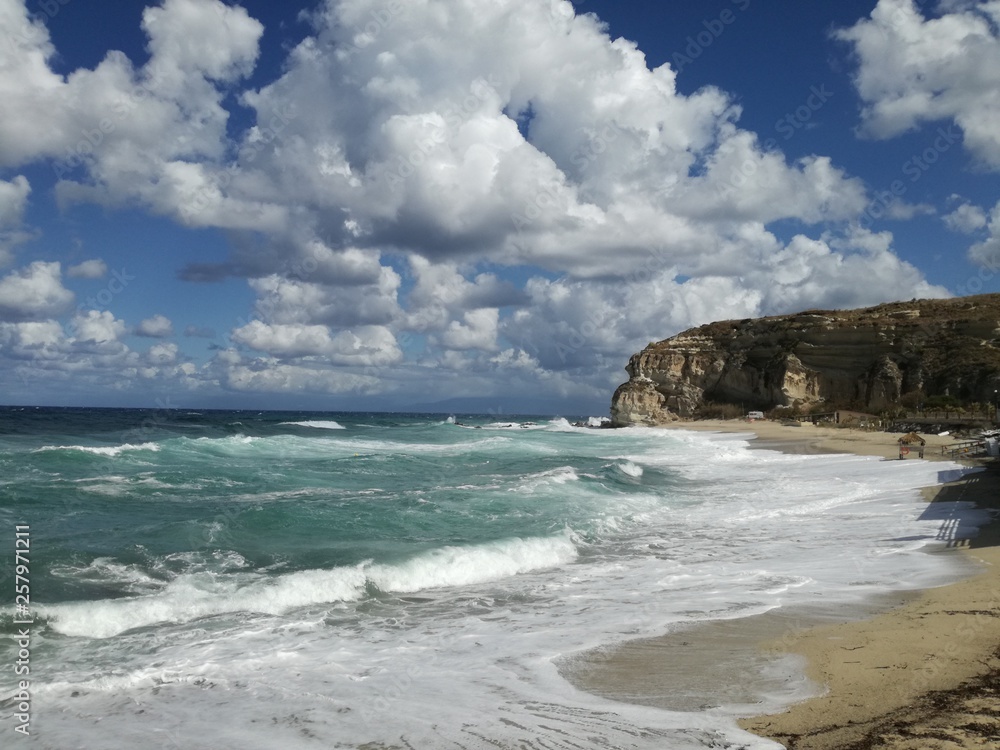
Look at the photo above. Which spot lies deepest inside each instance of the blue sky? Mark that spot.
(372, 204)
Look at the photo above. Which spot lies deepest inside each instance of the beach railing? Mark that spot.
(965, 449)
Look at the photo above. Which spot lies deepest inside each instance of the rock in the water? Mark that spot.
(639, 402)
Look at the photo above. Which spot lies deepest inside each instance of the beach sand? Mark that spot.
(808, 438)
(921, 674)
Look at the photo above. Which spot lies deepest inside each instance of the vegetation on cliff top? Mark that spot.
(887, 358)
(915, 313)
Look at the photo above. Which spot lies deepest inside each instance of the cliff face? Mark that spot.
(869, 358)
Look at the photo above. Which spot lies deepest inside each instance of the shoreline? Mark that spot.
(923, 674)
(814, 439)
(911, 671)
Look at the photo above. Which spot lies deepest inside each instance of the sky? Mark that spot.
(468, 204)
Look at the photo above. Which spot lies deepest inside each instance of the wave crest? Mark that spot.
(317, 424)
(100, 450)
(193, 596)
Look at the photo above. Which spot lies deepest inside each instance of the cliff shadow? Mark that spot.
(962, 526)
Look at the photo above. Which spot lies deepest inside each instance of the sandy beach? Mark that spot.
(808, 438)
(921, 674)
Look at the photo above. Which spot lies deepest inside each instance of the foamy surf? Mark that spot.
(465, 566)
(629, 469)
(193, 596)
(290, 574)
(545, 480)
(100, 450)
(317, 424)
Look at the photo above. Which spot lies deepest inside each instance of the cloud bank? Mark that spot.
(452, 196)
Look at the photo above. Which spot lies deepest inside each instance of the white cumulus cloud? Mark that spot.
(967, 218)
(13, 200)
(156, 327)
(34, 292)
(163, 354)
(97, 327)
(986, 253)
(914, 69)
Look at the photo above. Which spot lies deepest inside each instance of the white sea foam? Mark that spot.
(110, 572)
(100, 450)
(513, 426)
(193, 596)
(332, 445)
(464, 566)
(629, 468)
(117, 486)
(318, 424)
(544, 479)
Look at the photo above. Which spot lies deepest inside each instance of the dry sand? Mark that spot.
(922, 675)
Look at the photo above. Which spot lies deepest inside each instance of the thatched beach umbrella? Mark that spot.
(911, 439)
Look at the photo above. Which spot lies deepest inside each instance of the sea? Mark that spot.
(249, 579)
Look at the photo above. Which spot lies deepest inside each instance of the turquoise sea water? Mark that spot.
(247, 579)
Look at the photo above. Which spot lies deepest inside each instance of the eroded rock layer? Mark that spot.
(867, 359)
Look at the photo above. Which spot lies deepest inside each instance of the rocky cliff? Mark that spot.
(867, 359)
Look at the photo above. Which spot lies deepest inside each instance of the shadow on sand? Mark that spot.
(960, 502)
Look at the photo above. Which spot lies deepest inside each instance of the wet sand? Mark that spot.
(922, 672)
